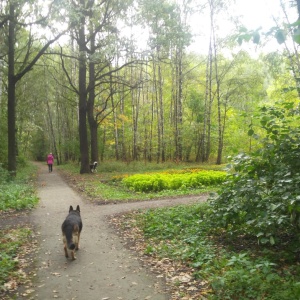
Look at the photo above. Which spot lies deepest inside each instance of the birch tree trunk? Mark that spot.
(178, 105)
(135, 103)
(115, 120)
(156, 108)
(204, 139)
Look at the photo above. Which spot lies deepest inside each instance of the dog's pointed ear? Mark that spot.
(71, 208)
(78, 208)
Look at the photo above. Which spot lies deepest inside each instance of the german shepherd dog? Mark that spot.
(71, 228)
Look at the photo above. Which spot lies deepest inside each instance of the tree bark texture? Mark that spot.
(11, 103)
(83, 138)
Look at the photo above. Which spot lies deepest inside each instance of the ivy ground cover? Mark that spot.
(210, 265)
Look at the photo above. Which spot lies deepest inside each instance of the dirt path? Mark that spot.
(104, 268)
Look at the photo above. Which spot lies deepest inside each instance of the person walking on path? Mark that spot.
(50, 161)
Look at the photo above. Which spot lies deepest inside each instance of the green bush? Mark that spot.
(262, 197)
(4, 175)
(164, 181)
(17, 196)
(18, 193)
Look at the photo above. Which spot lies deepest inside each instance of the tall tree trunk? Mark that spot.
(161, 115)
(178, 105)
(150, 128)
(220, 130)
(204, 139)
(103, 144)
(150, 156)
(11, 104)
(13, 78)
(210, 99)
(134, 115)
(91, 101)
(83, 139)
(209, 91)
(156, 105)
(1, 83)
(116, 131)
(60, 124)
(147, 125)
(180, 112)
(52, 135)
(123, 143)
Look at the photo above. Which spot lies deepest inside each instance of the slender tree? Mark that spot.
(15, 23)
(94, 30)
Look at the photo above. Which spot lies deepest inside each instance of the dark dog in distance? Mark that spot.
(93, 167)
(71, 229)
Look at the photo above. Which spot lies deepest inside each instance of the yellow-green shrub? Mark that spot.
(163, 181)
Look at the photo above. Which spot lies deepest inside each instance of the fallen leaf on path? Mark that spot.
(182, 278)
(11, 285)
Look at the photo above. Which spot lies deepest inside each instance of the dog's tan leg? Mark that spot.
(73, 254)
(66, 251)
(77, 244)
(65, 246)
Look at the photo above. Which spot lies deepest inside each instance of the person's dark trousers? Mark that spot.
(50, 167)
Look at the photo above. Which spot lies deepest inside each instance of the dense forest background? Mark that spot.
(97, 80)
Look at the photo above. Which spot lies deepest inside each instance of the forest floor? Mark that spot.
(105, 267)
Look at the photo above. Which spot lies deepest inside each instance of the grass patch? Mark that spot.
(106, 185)
(231, 268)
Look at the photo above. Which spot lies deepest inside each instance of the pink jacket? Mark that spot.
(50, 159)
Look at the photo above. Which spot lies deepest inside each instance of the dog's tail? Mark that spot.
(69, 233)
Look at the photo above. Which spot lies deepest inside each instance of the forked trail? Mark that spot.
(104, 268)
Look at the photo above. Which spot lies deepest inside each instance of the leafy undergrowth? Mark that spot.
(106, 185)
(199, 263)
(17, 195)
(16, 248)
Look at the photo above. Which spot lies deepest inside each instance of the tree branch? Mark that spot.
(37, 57)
